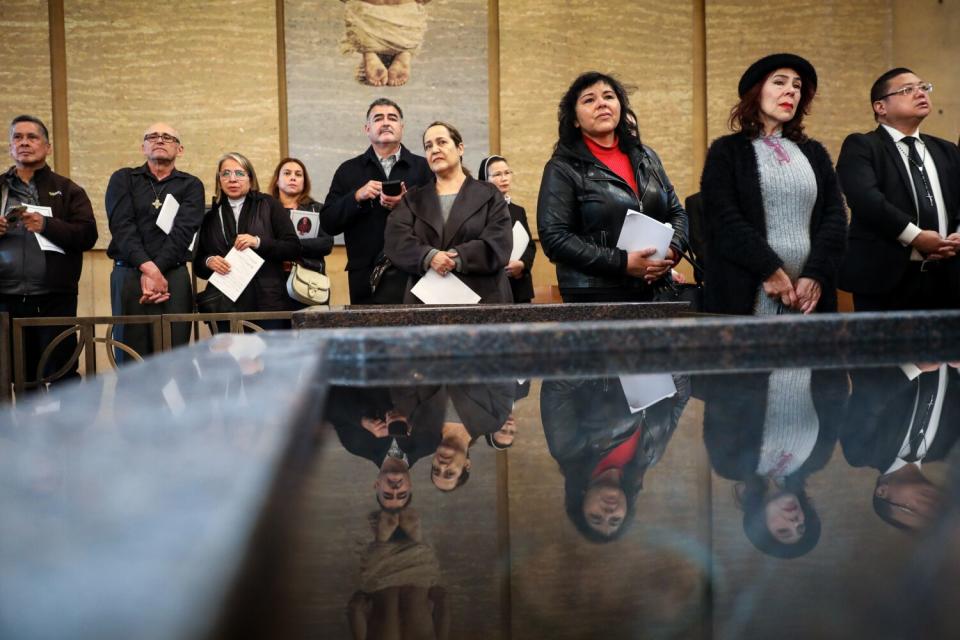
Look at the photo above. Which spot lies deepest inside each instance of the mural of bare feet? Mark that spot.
(386, 34)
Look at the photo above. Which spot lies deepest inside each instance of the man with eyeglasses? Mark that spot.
(149, 274)
(903, 190)
(901, 418)
(46, 223)
(358, 204)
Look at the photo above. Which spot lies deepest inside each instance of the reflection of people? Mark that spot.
(356, 205)
(149, 275)
(903, 189)
(770, 432)
(503, 438)
(598, 171)
(384, 32)
(774, 219)
(400, 594)
(35, 283)
(458, 415)
(496, 170)
(604, 448)
(899, 419)
(458, 225)
(244, 218)
(291, 186)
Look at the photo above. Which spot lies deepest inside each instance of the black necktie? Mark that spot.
(926, 205)
(928, 384)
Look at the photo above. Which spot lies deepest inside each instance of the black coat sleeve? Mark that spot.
(284, 243)
(861, 186)
(730, 234)
(77, 229)
(557, 211)
(340, 209)
(829, 241)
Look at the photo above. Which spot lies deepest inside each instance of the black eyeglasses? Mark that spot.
(909, 90)
(158, 137)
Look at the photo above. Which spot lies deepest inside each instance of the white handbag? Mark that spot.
(307, 286)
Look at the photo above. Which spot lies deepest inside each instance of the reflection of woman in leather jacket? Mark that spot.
(604, 449)
(599, 169)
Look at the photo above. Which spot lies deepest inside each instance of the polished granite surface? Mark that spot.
(654, 486)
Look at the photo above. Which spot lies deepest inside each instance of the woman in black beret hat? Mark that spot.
(773, 214)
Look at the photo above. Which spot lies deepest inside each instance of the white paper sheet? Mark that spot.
(449, 289)
(167, 213)
(306, 223)
(520, 241)
(645, 389)
(643, 232)
(243, 266)
(45, 245)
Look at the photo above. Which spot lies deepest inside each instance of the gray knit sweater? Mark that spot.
(789, 189)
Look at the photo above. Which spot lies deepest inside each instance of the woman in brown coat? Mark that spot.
(456, 226)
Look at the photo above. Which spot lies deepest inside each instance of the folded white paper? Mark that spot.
(243, 266)
(520, 241)
(449, 289)
(643, 232)
(45, 245)
(167, 213)
(307, 223)
(645, 389)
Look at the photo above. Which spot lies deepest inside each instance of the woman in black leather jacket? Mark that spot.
(604, 448)
(598, 171)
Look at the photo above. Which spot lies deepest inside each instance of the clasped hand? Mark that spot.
(153, 285)
(443, 262)
(804, 296)
(935, 247)
(641, 265)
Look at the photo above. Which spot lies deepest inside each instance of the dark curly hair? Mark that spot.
(628, 135)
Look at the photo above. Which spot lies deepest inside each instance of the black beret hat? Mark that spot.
(762, 67)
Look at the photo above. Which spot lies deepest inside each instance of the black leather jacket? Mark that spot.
(581, 208)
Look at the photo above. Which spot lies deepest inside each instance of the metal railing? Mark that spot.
(85, 329)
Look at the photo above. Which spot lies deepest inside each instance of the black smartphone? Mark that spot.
(392, 187)
(14, 214)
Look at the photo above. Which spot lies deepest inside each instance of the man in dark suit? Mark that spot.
(899, 419)
(356, 205)
(903, 189)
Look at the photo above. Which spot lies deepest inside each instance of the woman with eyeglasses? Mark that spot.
(496, 170)
(773, 216)
(599, 171)
(291, 186)
(456, 226)
(244, 218)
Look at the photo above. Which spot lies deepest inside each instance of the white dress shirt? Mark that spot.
(911, 231)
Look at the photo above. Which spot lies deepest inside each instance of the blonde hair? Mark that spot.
(240, 159)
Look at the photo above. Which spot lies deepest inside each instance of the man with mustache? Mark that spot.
(35, 279)
(356, 205)
(903, 190)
